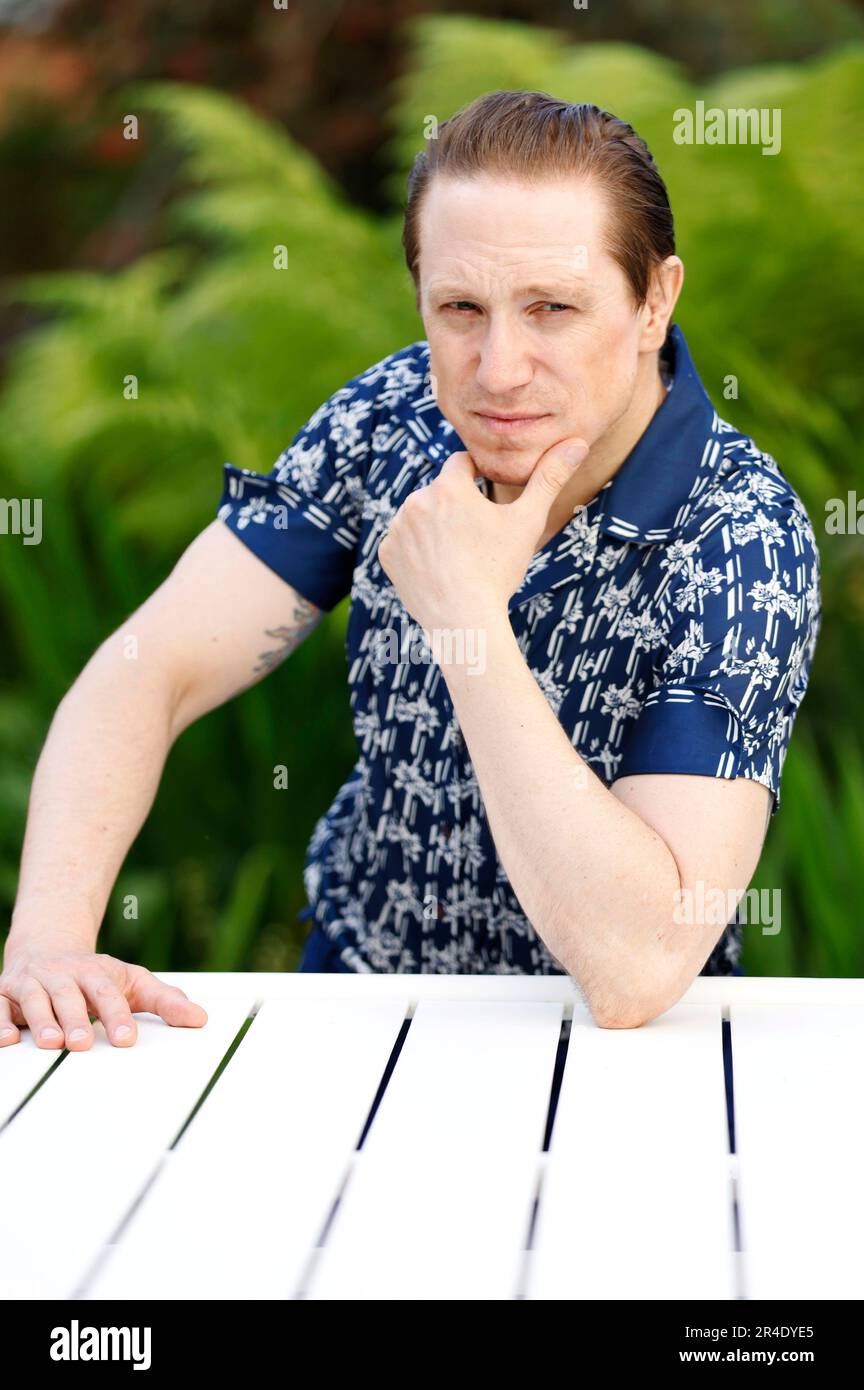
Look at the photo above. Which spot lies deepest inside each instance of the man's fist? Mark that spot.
(455, 557)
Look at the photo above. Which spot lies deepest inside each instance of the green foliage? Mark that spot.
(232, 355)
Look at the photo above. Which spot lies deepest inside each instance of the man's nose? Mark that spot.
(505, 363)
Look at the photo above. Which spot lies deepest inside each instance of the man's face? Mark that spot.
(527, 315)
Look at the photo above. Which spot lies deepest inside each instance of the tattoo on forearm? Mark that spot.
(306, 616)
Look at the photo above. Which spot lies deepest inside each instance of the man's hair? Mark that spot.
(533, 135)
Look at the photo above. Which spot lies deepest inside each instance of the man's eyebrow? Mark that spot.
(551, 290)
(563, 289)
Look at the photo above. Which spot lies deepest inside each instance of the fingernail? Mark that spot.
(576, 454)
(123, 1031)
(50, 1033)
(77, 1033)
(6, 1032)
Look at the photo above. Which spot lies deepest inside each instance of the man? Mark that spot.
(583, 615)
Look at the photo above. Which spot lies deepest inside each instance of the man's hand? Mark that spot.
(48, 987)
(453, 556)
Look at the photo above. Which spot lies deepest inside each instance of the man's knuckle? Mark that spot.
(105, 990)
(551, 481)
(169, 994)
(67, 989)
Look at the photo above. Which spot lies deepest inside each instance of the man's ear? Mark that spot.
(663, 291)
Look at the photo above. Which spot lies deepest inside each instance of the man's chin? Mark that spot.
(514, 468)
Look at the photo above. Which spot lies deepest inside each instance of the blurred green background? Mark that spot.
(154, 257)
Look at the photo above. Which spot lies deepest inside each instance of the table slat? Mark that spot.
(799, 1078)
(636, 1199)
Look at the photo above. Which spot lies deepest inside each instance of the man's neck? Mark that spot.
(604, 460)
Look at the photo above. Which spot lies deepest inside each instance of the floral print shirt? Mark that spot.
(671, 625)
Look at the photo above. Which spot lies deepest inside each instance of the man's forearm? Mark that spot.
(95, 782)
(596, 882)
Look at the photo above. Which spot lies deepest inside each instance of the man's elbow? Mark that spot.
(622, 998)
(633, 1010)
(626, 1014)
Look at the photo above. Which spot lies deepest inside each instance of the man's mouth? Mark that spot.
(507, 424)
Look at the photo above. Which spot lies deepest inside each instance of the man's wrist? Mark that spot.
(490, 645)
(45, 922)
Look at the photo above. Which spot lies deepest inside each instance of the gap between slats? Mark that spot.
(738, 1265)
(49, 1071)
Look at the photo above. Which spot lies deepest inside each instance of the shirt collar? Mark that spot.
(653, 492)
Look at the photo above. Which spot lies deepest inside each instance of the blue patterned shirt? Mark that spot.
(670, 624)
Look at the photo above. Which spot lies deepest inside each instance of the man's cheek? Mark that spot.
(589, 421)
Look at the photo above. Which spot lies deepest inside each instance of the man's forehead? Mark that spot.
(514, 210)
(493, 235)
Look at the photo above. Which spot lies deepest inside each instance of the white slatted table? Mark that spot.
(166, 1171)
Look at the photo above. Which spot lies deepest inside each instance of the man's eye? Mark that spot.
(467, 306)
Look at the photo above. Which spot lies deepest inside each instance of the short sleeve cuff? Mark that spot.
(685, 730)
(697, 732)
(303, 540)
